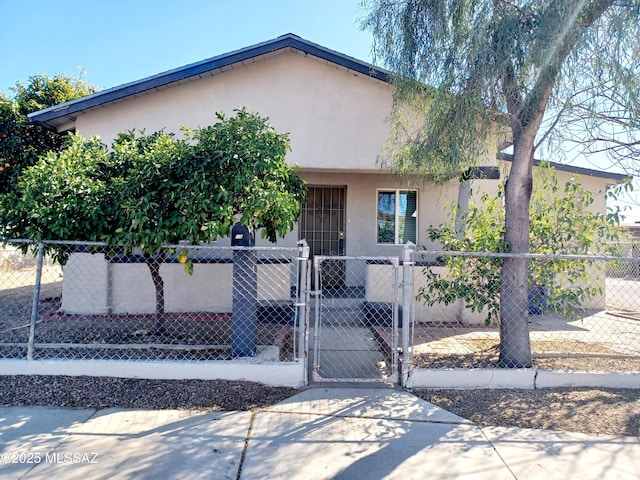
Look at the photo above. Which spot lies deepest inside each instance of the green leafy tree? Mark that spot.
(148, 191)
(244, 157)
(22, 142)
(561, 223)
(492, 68)
(66, 195)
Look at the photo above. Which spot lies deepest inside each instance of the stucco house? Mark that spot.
(337, 112)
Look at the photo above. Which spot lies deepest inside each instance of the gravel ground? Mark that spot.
(587, 410)
(106, 392)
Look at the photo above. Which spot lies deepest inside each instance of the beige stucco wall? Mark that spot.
(596, 185)
(338, 123)
(361, 208)
(336, 118)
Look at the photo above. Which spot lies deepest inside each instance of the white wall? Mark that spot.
(85, 286)
(439, 313)
(94, 286)
(269, 372)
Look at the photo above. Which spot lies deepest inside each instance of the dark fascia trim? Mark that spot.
(481, 173)
(42, 117)
(617, 177)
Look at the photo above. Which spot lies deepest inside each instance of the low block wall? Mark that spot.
(277, 374)
(92, 285)
(377, 292)
(85, 286)
(596, 278)
(455, 312)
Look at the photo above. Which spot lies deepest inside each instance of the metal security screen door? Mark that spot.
(322, 225)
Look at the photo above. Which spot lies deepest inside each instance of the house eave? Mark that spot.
(615, 178)
(337, 170)
(63, 116)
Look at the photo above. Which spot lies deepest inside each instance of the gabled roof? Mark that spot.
(66, 113)
(63, 116)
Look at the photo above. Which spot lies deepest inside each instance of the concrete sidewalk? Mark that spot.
(320, 433)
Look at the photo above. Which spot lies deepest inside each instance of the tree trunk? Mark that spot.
(515, 346)
(154, 263)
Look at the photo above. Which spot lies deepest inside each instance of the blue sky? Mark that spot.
(119, 41)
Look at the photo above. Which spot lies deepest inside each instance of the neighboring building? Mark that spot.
(337, 112)
(633, 232)
(629, 247)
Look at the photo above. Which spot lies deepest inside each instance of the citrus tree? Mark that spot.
(147, 191)
(22, 142)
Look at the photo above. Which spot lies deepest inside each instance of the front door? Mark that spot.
(322, 224)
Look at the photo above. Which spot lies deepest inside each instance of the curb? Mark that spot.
(518, 378)
(525, 378)
(558, 378)
(268, 372)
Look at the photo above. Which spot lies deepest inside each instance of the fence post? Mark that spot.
(394, 323)
(300, 323)
(317, 291)
(407, 306)
(36, 301)
(244, 316)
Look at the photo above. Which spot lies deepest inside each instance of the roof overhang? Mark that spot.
(614, 178)
(62, 117)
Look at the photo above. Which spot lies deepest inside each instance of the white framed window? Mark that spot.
(397, 217)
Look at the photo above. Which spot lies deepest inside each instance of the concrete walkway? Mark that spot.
(349, 352)
(320, 433)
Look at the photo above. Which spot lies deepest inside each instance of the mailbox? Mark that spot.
(241, 236)
(244, 314)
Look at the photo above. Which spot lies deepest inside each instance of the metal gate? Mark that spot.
(355, 324)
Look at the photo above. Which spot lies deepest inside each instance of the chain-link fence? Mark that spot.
(368, 315)
(576, 315)
(188, 303)
(441, 310)
(629, 268)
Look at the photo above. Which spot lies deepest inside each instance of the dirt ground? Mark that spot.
(586, 410)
